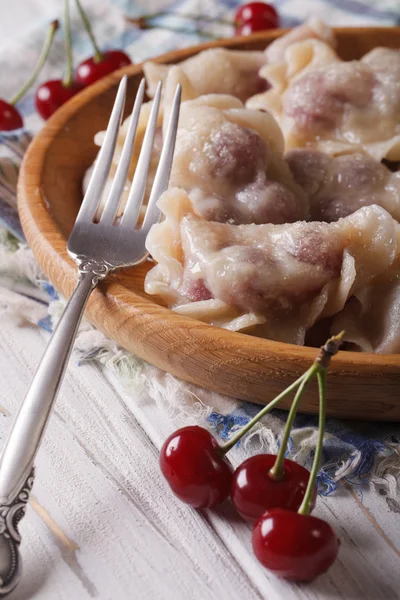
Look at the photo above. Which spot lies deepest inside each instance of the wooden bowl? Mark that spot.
(361, 385)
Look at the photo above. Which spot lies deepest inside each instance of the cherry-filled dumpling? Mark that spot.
(338, 186)
(278, 279)
(214, 71)
(229, 160)
(303, 48)
(263, 268)
(290, 63)
(333, 105)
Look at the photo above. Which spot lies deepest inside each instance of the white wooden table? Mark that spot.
(102, 523)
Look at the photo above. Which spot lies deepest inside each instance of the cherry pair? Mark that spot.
(199, 474)
(54, 93)
(267, 489)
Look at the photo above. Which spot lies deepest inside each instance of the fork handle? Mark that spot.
(16, 462)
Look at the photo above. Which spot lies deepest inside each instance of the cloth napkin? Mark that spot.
(362, 454)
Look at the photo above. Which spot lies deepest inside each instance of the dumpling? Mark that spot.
(371, 318)
(215, 71)
(282, 278)
(299, 58)
(229, 161)
(338, 186)
(336, 106)
(313, 28)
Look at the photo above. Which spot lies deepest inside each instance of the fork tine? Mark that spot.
(103, 162)
(138, 187)
(114, 196)
(164, 166)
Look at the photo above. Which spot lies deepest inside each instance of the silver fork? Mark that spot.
(98, 245)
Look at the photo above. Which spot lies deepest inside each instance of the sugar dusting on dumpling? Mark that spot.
(235, 153)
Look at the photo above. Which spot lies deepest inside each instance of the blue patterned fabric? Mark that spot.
(358, 453)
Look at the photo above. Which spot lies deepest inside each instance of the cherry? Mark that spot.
(91, 70)
(9, 117)
(194, 468)
(102, 63)
(294, 546)
(254, 491)
(52, 94)
(255, 16)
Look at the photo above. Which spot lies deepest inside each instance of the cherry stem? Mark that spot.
(144, 25)
(277, 471)
(188, 16)
(67, 81)
(329, 349)
(98, 56)
(229, 445)
(306, 505)
(54, 25)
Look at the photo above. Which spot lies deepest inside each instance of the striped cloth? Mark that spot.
(362, 454)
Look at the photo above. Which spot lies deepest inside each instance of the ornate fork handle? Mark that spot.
(17, 459)
(10, 515)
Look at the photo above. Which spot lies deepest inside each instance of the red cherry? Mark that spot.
(254, 491)
(255, 16)
(195, 470)
(10, 118)
(91, 70)
(52, 94)
(293, 546)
